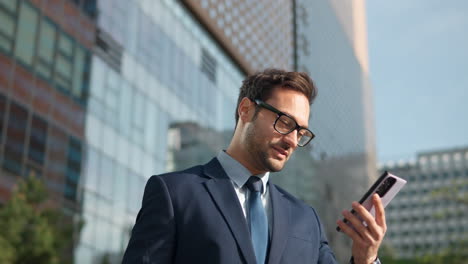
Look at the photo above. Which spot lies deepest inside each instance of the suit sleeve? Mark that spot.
(153, 236)
(326, 255)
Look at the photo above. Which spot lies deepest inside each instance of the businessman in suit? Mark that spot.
(226, 211)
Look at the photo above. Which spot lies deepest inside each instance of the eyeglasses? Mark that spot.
(285, 124)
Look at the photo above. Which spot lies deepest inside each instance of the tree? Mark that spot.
(31, 232)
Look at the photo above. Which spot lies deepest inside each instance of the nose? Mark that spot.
(291, 139)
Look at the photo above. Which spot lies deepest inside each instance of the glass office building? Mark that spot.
(429, 215)
(154, 66)
(45, 56)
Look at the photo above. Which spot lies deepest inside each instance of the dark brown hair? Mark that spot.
(260, 85)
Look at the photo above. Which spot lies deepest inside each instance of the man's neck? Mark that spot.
(242, 157)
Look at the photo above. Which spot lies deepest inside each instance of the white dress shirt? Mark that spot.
(239, 176)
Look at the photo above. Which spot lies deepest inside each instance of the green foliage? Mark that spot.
(32, 233)
(387, 256)
(455, 192)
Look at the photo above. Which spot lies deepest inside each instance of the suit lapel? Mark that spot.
(281, 213)
(223, 194)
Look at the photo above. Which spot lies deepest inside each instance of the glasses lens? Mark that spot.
(285, 124)
(304, 136)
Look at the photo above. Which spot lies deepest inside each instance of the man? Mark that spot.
(226, 211)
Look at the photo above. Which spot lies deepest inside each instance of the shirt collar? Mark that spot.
(237, 172)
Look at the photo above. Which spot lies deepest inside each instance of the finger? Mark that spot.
(379, 212)
(358, 226)
(349, 231)
(368, 218)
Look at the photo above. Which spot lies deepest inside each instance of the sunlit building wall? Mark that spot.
(429, 215)
(331, 45)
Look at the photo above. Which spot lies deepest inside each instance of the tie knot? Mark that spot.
(255, 184)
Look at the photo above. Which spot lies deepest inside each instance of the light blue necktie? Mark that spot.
(257, 219)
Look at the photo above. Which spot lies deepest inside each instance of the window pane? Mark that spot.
(125, 109)
(16, 135)
(56, 157)
(133, 190)
(92, 169)
(10, 5)
(45, 51)
(73, 168)
(106, 175)
(7, 26)
(90, 7)
(5, 44)
(65, 45)
(37, 140)
(63, 68)
(2, 115)
(139, 106)
(120, 187)
(78, 71)
(26, 33)
(63, 63)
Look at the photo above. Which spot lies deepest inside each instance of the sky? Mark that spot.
(418, 56)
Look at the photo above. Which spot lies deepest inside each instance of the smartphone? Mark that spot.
(386, 186)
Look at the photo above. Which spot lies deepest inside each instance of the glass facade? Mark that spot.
(171, 71)
(341, 162)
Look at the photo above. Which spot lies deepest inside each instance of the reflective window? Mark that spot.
(112, 97)
(88, 233)
(37, 140)
(163, 126)
(102, 235)
(26, 33)
(7, 24)
(105, 176)
(15, 140)
(151, 133)
(133, 193)
(99, 75)
(45, 48)
(63, 62)
(79, 72)
(56, 148)
(73, 168)
(90, 7)
(9, 5)
(138, 117)
(2, 115)
(120, 187)
(83, 255)
(125, 114)
(92, 169)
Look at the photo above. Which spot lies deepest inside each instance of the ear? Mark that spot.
(246, 109)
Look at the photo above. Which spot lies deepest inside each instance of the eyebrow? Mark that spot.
(288, 114)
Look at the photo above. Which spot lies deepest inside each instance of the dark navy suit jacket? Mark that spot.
(194, 216)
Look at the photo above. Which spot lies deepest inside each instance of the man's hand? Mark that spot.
(366, 240)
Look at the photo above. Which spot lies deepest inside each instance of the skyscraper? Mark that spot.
(331, 45)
